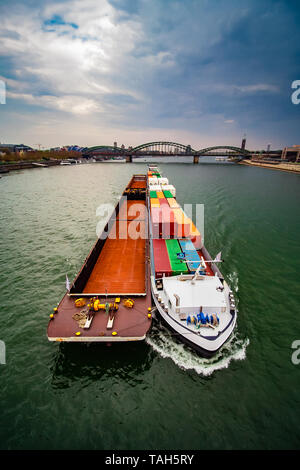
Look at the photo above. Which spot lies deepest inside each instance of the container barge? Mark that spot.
(110, 299)
(188, 289)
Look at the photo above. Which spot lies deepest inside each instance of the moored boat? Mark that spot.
(188, 289)
(110, 299)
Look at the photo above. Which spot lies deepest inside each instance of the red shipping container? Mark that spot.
(169, 224)
(156, 219)
(161, 259)
(163, 202)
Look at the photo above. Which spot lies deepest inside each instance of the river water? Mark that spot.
(157, 394)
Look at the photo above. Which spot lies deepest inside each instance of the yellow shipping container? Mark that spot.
(160, 194)
(154, 202)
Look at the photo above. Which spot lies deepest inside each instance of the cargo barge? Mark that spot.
(188, 289)
(110, 299)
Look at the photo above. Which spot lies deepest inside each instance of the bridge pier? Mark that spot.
(196, 159)
(128, 158)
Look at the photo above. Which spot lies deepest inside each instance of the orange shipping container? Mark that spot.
(183, 223)
(154, 202)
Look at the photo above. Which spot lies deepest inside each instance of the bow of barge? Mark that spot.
(110, 299)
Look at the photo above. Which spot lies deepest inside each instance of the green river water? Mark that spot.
(157, 394)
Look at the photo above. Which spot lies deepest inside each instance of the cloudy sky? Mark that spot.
(198, 72)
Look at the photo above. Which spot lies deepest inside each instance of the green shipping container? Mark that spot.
(168, 194)
(156, 174)
(177, 266)
(153, 194)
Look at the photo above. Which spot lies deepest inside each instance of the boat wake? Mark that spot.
(163, 342)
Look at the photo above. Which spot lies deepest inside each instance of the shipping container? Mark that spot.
(168, 194)
(153, 194)
(191, 255)
(183, 222)
(177, 265)
(152, 180)
(172, 202)
(160, 194)
(154, 202)
(186, 245)
(163, 181)
(156, 221)
(195, 236)
(161, 259)
(163, 202)
(169, 224)
(171, 188)
(163, 221)
(155, 187)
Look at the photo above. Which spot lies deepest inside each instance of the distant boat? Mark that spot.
(39, 164)
(65, 162)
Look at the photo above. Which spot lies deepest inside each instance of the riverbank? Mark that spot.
(290, 167)
(22, 165)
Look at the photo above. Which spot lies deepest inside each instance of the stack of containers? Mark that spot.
(154, 202)
(160, 194)
(171, 188)
(168, 193)
(169, 222)
(153, 180)
(177, 265)
(164, 224)
(163, 181)
(192, 258)
(173, 203)
(156, 220)
(155, 187)
(183, 222)
(195, 236)
(153, 194)
(161, 259)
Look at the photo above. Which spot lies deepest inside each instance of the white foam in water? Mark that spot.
(162, 341)
(233, 281)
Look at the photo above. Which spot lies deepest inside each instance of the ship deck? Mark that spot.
(120, 271)
(120, 268)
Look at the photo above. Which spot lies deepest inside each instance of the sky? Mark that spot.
(197, 72)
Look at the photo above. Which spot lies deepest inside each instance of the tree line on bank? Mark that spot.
(8, 156)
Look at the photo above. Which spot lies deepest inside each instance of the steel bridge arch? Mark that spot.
(162, 144)
(103, 147)
(237, 150)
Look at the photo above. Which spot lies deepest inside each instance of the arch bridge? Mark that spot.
(164, 148)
